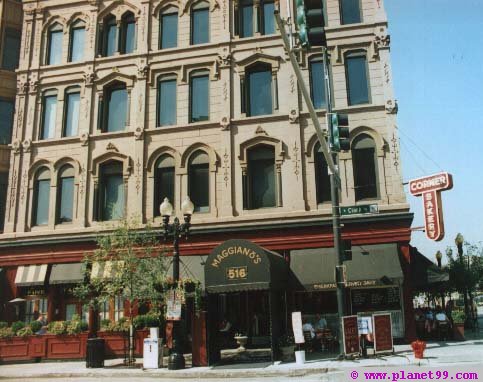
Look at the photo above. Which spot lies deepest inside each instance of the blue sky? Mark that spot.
(437, 63)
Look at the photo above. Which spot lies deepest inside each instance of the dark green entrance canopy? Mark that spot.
(425, 275)
(240, 265)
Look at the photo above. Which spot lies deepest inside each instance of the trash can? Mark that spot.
(95, 353)
(152, 354)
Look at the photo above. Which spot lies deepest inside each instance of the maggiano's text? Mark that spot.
(236, 250)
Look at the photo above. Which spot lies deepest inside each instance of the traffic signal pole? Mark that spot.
(331, 163)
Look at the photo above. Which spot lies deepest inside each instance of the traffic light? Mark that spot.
(310, 21)
(347, 249)
(339, 138)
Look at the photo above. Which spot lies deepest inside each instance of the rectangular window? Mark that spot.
(167, 102)
(77, 44)
(3, 197)
(117, 110)
(262, 183)
(199, 186)
(268, 18)
(246, 13)
(118, 308)
(11, 49)
(41, 202)
(72, 104)
(104, 310)
(199, 98)
(200, 26)
(70, 310)
(356, 76)
(364, 173)
(169, 31)
(350, 11)
(7, 109)
(260, 93)
(113, 197)
(48, 119)
(55, 48)
(111, 38)
(317, 82)
(128, 37)
(66, 203)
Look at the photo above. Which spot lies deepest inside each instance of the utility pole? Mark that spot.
(330, 157)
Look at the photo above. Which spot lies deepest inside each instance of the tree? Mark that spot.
(133, 261)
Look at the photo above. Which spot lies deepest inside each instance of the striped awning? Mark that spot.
(66, 273)
(104, 269)
(28, 275)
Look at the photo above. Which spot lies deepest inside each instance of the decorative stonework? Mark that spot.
(33, 86)
(225, 123)
(296, 160)
(20, 115)
(138, 133)
(110, 147)
(82, 180)
(225, 91)
(225, 58)
(24, 186)
(260, 131)
(22, 87)
(391, 107)
(89, 78)
(13, 189)
(84, 138)
(139, 176)
(293, 116)
(292, 83)
(382, 40)
(395, 150)
(143, 70)
(226, 167)
(16, 146)
(27, 145)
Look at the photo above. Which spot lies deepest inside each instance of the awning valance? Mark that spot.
(67, 273)
(314, 269)
(240, 265)
(192, 267)
(29, 275)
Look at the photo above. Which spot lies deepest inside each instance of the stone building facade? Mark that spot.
(211, 140)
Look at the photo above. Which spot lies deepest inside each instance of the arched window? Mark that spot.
(357, 78)
(199, 96)
(364, 162)
(77, 38)
(109, 36)
(41, 197)
(350, 12)
(49, 112)
(111, 191)
(260, 182)
(166, 110)
(71, 112)
(200, 23)
(317, 83)
(128, 33)
(164, 182)
(168, 28)
(54, 45)
(258, 90)
(199, 181)
(114, 107)
(65, 195)
(322, 179)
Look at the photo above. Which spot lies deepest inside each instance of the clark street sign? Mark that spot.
(360, 209)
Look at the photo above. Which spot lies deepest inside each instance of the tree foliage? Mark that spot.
(466, 272)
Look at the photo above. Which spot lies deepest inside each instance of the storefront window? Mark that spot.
(118, 307)
(70, 310)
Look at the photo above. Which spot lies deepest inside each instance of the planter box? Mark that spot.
(14, 349)
(66, 346)
(116, 342)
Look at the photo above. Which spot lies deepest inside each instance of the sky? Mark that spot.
(437, 64)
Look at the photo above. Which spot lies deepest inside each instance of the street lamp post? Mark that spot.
(459, 240)
(439, 256)
(176, 229)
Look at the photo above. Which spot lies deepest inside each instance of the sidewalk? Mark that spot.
(437, 354)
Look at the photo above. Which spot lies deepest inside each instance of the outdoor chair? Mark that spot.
(309, 341)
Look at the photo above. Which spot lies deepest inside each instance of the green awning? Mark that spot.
(67, 273)
(426, 275)
(314, 269)
(240, 265)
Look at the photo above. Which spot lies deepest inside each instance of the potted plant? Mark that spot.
(458, 317)
(418, 347)
(241, 340)
(286, 344)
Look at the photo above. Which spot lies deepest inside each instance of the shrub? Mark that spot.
(458, 316)
(151, 320)
(105, 324)
(16, 326)
(6, 333)
(286, 340)
(3, 324)
(25, 331)
(73, 327)
(84, 326)
(35, 326)
(122, 325)
(58, 327)
(139, 322)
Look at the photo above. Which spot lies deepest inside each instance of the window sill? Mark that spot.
(99, 135)
(46, 142)
(175, 128)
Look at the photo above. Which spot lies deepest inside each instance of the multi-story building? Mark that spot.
(121, 104)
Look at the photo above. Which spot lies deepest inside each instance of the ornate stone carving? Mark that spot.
(138, 133)
(16, 146)
(225, 123)
(22, 87)
(293, 117)
(82, 180)
(382, 40)
(143, 70)
(33, 86)
(89, 78)
(224, 58)
(110, 147)
(84, 138)
(260, 131)
(391, 107)
(138, 176)
(226, 168)
(27, 145)
(395, 150)
(296, 160)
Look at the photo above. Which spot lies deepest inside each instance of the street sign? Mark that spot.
(361, 209)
